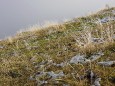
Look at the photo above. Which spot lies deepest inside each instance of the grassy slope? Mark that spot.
(20, 55)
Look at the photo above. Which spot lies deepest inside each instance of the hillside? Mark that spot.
(80, 52)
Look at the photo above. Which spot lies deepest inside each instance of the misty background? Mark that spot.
(20, 14)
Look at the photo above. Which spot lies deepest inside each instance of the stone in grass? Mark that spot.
(107, 63)
(113, 11)
(104, 20)
(113, 36)
(48, 75)
(62, 64)
(98, 40)
(97, 82)
(96, 56)
(107, 19)
(1, 47)
(54, 75)
(78, 59)
(41, 83)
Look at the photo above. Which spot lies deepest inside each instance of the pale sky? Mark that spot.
(19, 14)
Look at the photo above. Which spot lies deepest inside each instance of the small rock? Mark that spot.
(31, 78)
(41, 83)
(104, 20)
(79, 59)
(97, 40)
(1, 47)
(113, 11)
(113, 37)
(48, 76)
(97, 82)
(96, 56)
(107, 63)
(53, 75)
(59, 65)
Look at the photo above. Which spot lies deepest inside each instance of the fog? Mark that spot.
(19, 14)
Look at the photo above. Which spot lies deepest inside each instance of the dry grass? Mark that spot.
(21, 55)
